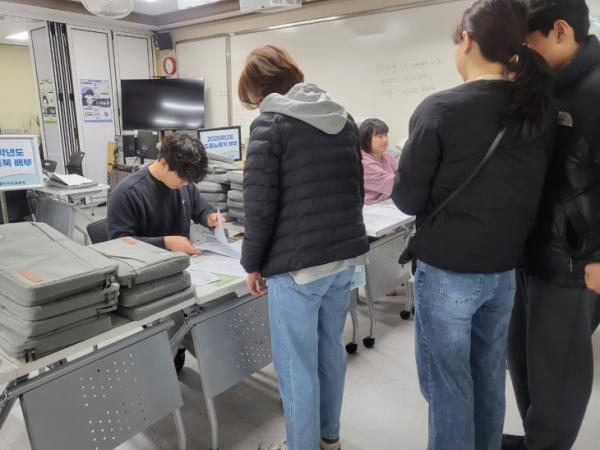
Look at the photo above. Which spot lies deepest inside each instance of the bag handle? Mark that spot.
(471, 177)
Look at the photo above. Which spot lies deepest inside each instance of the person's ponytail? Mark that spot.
(530, 110)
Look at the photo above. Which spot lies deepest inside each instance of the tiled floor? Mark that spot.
(383, 409)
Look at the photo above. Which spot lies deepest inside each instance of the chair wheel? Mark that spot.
(351, 347)
(369, 342)
(179, 360)
(405, 315)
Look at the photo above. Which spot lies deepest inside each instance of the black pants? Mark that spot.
(550, 359)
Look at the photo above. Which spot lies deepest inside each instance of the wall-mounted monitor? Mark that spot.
(222, 141)
(163, 104)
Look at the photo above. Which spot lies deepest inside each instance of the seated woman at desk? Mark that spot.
(379, 166)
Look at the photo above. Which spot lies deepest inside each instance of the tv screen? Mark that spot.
(171, 104)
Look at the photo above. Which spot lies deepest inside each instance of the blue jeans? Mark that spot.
(309, 356)
(461, 343)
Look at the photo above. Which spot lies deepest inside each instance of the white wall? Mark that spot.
(18, 94)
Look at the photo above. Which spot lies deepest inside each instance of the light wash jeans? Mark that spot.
(461, 344)
(309, 356)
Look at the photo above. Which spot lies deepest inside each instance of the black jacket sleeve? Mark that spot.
(200, 207)
(123, 217)
(261, 190)
(419, 161)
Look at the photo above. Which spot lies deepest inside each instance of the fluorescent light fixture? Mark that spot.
(304, 22)
(184, 4)
(182, 106)
(22, 36)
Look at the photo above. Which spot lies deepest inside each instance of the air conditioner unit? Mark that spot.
(251, 6)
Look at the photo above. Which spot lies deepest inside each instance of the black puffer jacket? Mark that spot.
(567, 233)
(303, 191)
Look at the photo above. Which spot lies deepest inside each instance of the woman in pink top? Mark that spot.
(379, 166)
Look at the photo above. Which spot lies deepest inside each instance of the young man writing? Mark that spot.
(157, 203)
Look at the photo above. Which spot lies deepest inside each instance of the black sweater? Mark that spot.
(484, 229)
(143, 207)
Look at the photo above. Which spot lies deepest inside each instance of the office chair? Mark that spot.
(97, 231)
(74, 166)
(49, 165)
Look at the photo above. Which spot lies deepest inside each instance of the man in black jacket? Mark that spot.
(550, 347)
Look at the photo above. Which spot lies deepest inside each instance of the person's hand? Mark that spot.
(256, 284)
(180, 244)
(592, 277)
(214, 218)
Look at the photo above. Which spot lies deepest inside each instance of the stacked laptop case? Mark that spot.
(54, 292)
(151, 279)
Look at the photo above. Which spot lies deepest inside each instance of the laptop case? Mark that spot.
(40, 265)
(17, 346)
(143, 311)
(89, 299)
(139, 262)
(154, 290)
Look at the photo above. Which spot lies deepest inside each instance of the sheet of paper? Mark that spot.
(220, 249)
(220, 235)
(202, 278)
(217, 264)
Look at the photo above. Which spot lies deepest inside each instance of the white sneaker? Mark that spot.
(334, 446)
(272, 446)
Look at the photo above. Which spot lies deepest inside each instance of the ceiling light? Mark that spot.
(22, 36)
(184, 4)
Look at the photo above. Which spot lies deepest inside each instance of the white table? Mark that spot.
(384, 218)
(66, 209)
(387, 228)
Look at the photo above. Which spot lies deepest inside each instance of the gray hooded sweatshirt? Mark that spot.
(311, 104)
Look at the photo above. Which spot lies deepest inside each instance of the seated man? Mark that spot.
(157, 203)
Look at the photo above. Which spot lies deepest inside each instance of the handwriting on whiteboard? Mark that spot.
(409, 78)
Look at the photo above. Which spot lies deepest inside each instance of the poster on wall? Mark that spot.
(48, 101)
(20, 163)
(95, 100)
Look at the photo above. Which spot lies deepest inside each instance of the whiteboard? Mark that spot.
(379, 65)
(207, 58)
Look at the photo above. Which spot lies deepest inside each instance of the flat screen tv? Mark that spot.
(163, 104)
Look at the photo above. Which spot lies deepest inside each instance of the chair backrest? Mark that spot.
(97, 231)
(49, 165)
(75, 163)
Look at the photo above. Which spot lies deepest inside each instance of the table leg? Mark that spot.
(181, 437)
(208, 399)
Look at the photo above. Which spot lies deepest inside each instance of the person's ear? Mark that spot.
(466, 42)
(562, 31)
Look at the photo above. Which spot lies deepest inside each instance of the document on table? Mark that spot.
(217, 264)
(232, 250)
(383, 215)
(222, 246)
(201, 278)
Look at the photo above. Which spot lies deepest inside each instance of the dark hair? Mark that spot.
(185, 156)
(499, 27)
(268, 70)
(544, 13)
(368, 129)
